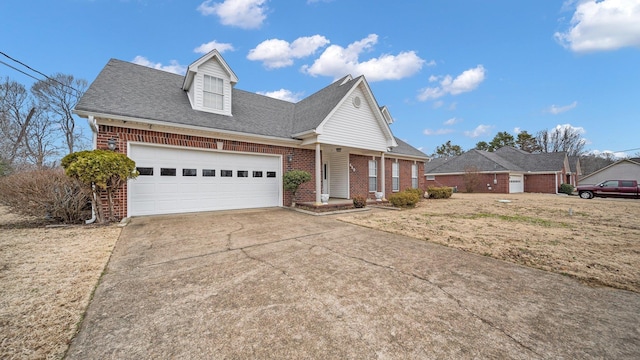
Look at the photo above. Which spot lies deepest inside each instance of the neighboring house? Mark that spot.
(200, 144)
(506, 170)
(625, 169)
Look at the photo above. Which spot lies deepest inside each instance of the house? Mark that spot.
(625, 169)
(506, 170)
(201, 144)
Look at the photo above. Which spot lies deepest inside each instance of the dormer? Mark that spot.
(208, 83)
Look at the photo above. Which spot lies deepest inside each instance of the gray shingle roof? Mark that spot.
(405, 149)
(130, 90)
(503, 159)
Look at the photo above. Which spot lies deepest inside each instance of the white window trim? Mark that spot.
(373, 168)
(395, 177)
(414, 176)
(214, 92)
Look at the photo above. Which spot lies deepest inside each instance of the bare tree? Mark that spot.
(41, 141)
(58, 95)
(562, 139)
(16, 111)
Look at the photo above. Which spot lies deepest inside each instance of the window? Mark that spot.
(208, 172)
(414, 176)
(271, 174)
(626, 183)
(610, 183)
(226, 173)
(257, 174)
(167, 172)
(373, 175)
(395, 176)
(189, 172)
(243, 173)
(431, 177)
(213, 93)
(145, 171)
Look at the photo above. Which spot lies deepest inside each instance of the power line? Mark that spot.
(36, 71)
(18, 70)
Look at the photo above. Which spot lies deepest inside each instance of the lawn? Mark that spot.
(596, 241)
(47, 275)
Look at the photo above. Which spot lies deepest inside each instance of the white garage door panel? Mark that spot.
(155, 194)
(516, 184)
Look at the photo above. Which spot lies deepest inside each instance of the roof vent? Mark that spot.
(356, 101)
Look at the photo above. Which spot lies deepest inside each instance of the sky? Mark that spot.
(447, 70)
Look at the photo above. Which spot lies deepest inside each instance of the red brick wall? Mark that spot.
(502, 186)
(541, 183)
(303, 159)
(359, 184)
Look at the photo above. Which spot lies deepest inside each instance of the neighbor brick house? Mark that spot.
(506, 170)
(200, 144)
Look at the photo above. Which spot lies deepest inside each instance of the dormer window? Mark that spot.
(213, 93)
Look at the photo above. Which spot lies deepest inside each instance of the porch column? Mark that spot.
(383, 176)
(318, 175)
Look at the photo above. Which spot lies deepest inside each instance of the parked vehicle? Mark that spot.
(611, 188)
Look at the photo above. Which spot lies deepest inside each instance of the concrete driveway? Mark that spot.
(275, 283)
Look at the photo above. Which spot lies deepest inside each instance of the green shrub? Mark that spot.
(566, 189)
(293, 179)
(404, 199)
(418, 192)
(443, 192)
(359, 201)
(46, 194)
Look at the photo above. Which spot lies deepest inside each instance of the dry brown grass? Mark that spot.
(47, 277)
(598, 244)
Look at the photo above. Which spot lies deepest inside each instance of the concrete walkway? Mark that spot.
(279, 284)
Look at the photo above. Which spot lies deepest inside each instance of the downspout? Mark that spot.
(94, 129)
(557, 181)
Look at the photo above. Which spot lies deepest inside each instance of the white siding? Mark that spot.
(624, 170)
(354, 126)
(212, 68)
(339, 171)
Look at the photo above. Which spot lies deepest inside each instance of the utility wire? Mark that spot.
(36, 71)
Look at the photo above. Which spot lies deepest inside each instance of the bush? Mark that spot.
(359, 201)
(404, 199)
(443, 192)
(46, 193)
(418, 192)
(566, 189)
(293, 179)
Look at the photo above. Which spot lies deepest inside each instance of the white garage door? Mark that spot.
(516, 184)
(177, 180)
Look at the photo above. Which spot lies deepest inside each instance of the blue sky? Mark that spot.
(447, 70)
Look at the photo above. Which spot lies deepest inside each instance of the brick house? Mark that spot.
(200, 144)
(506, 170)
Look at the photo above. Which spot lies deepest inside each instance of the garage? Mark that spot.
(178, 180)
(516, 183)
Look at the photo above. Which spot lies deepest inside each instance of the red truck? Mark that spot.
(611, 188)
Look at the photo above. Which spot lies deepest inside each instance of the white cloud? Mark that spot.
(517, 130)
(276, 53)
(245, 14)
(452, 121)
(478, 131)
(283, 94)
(337, 61)
(173, 66)
(207, 47)
(578, 129)
(599, 25)
(437, 132)
(555, 109)
(467, 81)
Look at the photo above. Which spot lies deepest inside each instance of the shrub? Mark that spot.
(293, 179)
(359, 201)
(418, 192)
(566, 189)
(102, 171)
(404, 199)
(46, 193)
(443, 192)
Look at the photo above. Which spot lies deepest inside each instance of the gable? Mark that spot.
(356, 122)
(213, 67)
(621, 170)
